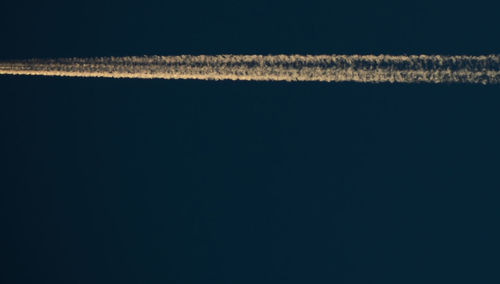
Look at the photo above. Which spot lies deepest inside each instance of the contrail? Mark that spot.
(484, 69)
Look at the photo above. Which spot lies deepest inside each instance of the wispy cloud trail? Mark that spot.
(483, 69)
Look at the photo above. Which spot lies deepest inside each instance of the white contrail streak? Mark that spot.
(483, 69)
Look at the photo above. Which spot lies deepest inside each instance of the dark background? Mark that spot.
(155, 181)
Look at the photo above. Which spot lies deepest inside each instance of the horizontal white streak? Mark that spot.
(329, 68)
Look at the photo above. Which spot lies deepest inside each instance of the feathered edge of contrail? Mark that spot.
(483, 69)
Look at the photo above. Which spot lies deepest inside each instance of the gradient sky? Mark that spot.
(157, 181)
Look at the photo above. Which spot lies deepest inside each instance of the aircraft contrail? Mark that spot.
(484, 69)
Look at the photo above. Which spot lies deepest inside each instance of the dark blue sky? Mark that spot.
(153, 181)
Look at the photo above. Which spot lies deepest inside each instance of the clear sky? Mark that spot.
(156, 181)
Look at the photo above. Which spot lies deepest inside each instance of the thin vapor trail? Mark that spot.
(483, 69)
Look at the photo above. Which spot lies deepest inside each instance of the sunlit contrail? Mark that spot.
(483, 69)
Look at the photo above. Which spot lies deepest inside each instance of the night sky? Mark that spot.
(157, 181)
